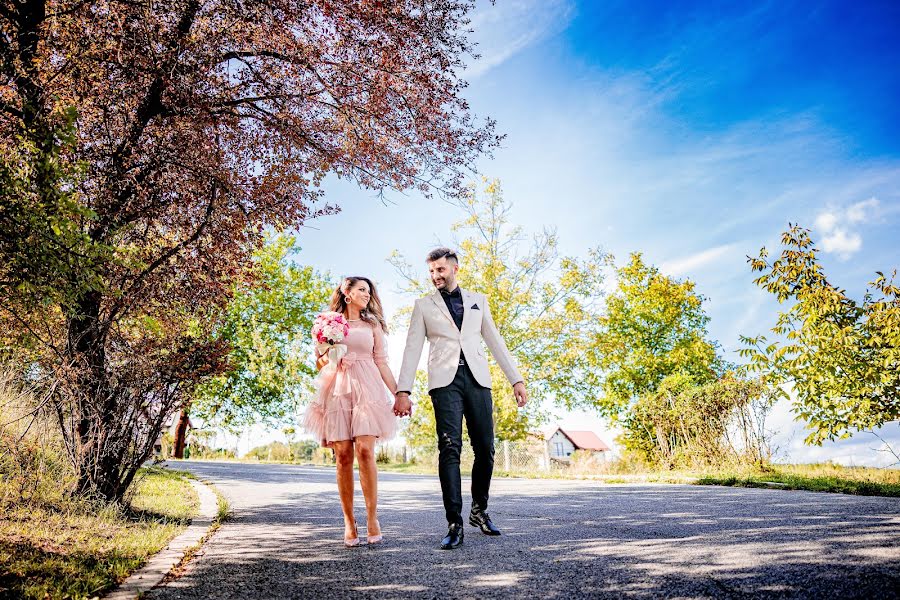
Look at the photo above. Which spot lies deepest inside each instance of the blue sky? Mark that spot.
(689, 133)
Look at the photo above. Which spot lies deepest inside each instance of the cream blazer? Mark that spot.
(431, 320)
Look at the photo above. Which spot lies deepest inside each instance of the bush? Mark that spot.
(305, 451)
(33, 463)
(274, 451)
(683, 425)
(206, 452)
(324, 456)
(583, 462)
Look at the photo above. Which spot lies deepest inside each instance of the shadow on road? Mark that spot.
(561, 539)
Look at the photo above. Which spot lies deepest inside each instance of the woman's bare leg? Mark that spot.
(368, 480)
(343, 452)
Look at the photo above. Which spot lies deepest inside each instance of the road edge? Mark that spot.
(161, 564)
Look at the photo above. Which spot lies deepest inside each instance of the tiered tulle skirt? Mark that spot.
(351, 402)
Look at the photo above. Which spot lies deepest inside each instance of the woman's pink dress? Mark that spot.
(354, 400)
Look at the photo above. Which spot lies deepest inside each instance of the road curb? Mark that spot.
(159, 565)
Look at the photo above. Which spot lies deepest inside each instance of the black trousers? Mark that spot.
(464, 397)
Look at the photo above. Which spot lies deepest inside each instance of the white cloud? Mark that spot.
(841, 242)
(504, 29)
(696, 261)
(826, 221)
(834, 227)
(860, 212)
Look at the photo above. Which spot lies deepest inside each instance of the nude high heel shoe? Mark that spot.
(352, 543)
(375, 539)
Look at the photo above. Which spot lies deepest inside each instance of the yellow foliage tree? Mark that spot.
(544, 306)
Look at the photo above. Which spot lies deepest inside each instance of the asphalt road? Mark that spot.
(561, 539)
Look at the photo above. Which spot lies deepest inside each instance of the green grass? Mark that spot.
(64, 548)
(821, 478)
(415, 468)
(862, 481)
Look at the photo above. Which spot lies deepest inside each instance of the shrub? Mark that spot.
(33, 462)
(694, 426)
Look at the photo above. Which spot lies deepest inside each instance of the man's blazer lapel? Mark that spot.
(442, 306)
(468, 301)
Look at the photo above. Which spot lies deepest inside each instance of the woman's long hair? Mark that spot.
(372, 313)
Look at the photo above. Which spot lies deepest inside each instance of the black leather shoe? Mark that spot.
(480, 519)
(454, 537)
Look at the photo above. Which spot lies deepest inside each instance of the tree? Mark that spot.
(543, 306)
(654, 326)
(840, 357)
(195, 126)
(266, 326)
(689, 425)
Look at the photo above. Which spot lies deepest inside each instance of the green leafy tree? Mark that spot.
(266, 326)
(543, 306)
(654, 326)
(193, 127)
(273, 451)
(841, 357)
(48, 259)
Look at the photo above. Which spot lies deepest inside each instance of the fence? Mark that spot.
(532, 457)
(510, 457)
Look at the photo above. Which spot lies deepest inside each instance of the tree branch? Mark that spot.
(172, 251)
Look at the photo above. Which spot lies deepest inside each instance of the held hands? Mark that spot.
(520, 394)
(402, 405)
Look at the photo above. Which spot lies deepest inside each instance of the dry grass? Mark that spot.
(65, 548)
(54, 545)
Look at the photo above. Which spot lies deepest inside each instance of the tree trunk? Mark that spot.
(86, 348)
(181, 434)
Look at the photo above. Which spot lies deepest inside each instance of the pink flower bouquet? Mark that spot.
(329, 330)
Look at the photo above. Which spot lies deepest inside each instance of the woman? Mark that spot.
(352, 408)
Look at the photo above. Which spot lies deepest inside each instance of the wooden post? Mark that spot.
(506, 455)
(546, 456)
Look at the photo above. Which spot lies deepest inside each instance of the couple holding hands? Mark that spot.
(352, 411)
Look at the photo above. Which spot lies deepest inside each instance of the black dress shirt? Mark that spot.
(454, 303)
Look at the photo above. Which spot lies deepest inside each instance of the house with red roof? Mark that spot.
(564, 442)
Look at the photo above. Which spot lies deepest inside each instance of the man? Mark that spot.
(455, 322)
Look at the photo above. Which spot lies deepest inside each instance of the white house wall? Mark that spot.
(556, 451)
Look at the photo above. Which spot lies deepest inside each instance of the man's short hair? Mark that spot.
(439, 253)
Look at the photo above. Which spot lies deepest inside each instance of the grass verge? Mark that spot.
(862, 481)
(64, 548)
